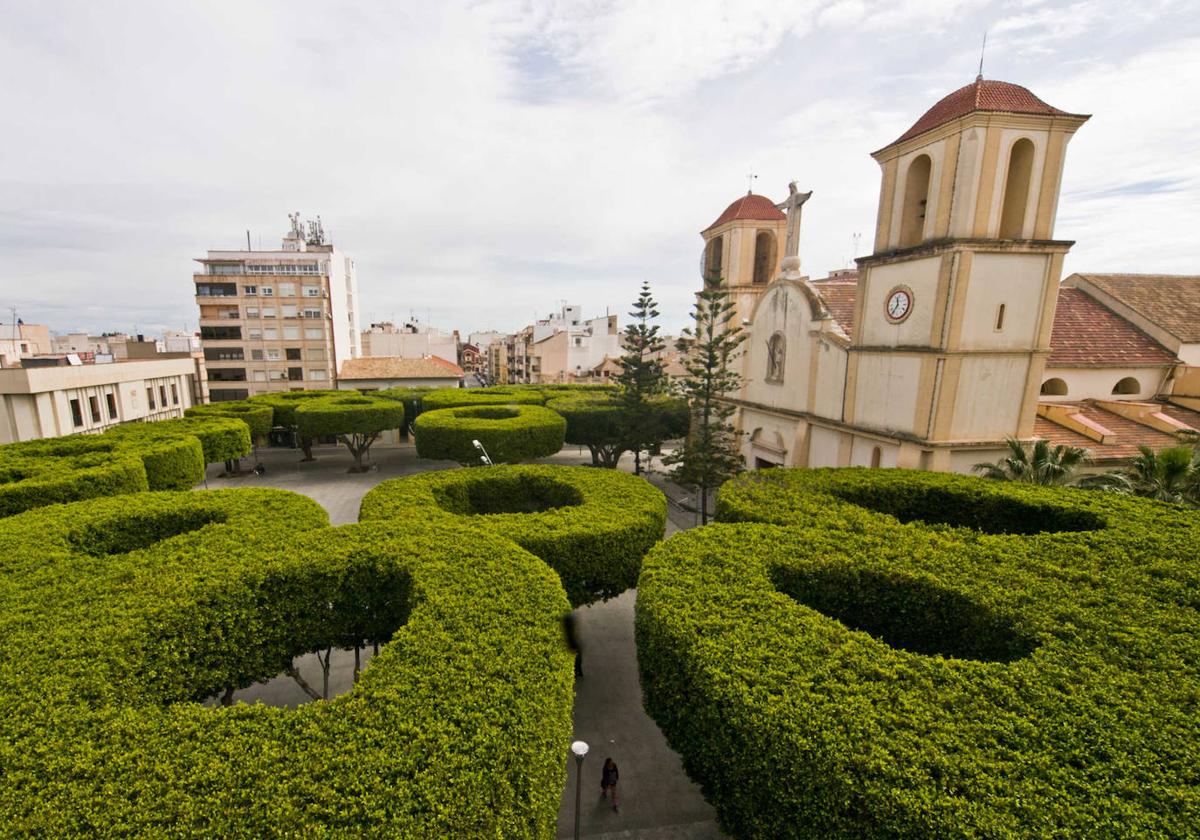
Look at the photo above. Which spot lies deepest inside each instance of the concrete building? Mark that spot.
(497, 372)
(470, 359)
(177, 341)
(277, 320)
(21, 340)
(411, 341)
(80, 342)
(53, 397)
(566, 348)
(369, 373)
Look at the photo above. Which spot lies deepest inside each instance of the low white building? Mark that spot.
(374, 373)
(61, 398)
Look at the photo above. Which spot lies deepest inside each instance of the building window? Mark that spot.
(876, 457)
(221, 333)
(916, 195)
(287, 289)
(150, 397)
(174, 394)
(316, 354)
(162, 393)
(266, 291)
(268, 311)
(312, 291)
(314, 332)
(291, 333)
(295, 373)
(313, 313)
(229, 394)
(254, 335)
(1054, 387)
(94, 406)
(250, 291)
(1016, 190)
(272, 354)
(293, 353)
(1128, 385)
(317, 375)
(260, 376)
(715, 254)
(764, 257)
(256, 355)
(288, 310)
(112, 406)
(275, 375)
(1000, 317)
(252, 312)
(76, 413)
(270, 334)
(776, 353)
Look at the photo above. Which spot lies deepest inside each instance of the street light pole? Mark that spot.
(580, 749)
(483, 456)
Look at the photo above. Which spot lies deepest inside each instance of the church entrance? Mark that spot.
(764, 464)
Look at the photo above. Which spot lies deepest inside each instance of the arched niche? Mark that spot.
(714, 257)
(764, 257)
(916, 198)
(1127, 385)
(776, 357)
(1016, 189)
(1054, 387)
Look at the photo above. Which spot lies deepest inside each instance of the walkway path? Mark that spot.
(658, 800)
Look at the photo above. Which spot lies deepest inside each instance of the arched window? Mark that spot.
(876, 457)
(1054, 388)
(1016, 190)
(1128, 385)
(916, 194)
(776, 356)
(713, 258)
(764, 256)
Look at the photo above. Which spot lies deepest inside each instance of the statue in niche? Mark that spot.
(776, 351)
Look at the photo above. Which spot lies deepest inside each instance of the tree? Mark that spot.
(1170, 475)
(709, 455)
(642, 378)
(601, 422)
(356, 419)
(1043, 464)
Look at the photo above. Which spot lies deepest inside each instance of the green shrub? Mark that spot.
(55, 470)
(346, 414)
(257, 416)
(221, 438)
(412, 398)
(509, 433)
(460, 397)
(285, 403)
(118, 614)
(590, 526)
(928, 655)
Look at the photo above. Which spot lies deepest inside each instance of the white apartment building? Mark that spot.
(277, 320)
(60, 398)
(411, 341)
(565, 348)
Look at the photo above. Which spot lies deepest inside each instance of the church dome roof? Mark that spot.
(753, 207)
(981, 95)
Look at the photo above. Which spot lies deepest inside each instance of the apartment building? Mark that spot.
(413, 340)
(21, 340)
(277, 320)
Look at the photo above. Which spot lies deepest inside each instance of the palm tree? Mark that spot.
(1169, 475)
(1043, 464)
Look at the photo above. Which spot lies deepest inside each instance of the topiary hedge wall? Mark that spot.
(117, 615)
(284, 403)
(347, 413)
(221, 438)
(928, 655)
(460, 397)
(509, 433)
(591, 526)
(257, 416)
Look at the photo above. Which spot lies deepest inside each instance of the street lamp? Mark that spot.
(580, 749)
(483, 453)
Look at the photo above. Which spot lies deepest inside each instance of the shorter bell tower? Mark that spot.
(744, 249)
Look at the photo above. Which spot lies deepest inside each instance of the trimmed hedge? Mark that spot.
(410, 397)
(221, 438)
(285, 403)
(118, 614)
(55, 470)
(509, 433)
(257, 416)
(347, 413)
(591, 526)
(1015, 661)
(459, 397)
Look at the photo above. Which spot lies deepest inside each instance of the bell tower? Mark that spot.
(955, 306)
(744, 248)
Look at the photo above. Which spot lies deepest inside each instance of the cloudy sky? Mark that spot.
(484, 161)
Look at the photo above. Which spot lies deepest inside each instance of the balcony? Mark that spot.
(216, 290)
(227, 375)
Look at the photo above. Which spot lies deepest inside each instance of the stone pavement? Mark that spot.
(658, 800)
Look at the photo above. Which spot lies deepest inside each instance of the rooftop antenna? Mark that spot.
(750, 179)
(982, 50)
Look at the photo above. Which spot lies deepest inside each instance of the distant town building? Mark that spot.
(277, 320)
(412, 340)
(373, 373)
(469, 358)
(54, 396)
(565, 348)
(80, 342)
(21, 340)
(175, 341)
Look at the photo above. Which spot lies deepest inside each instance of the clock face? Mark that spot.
(899, 304)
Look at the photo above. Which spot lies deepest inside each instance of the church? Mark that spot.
(958, 331)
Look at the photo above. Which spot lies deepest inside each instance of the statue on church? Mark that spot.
(775, 358)
(791, 206)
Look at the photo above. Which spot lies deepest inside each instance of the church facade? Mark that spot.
(935, 349)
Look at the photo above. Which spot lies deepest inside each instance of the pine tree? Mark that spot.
(642, 378)
(710, 455)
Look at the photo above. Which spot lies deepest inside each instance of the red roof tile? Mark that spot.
(839, 298)
(1172, 301)
(1127, 435)
(981, 95)
(750, 206)
(1088, 334)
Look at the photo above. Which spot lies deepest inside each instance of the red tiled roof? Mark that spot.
(391, 367)
(750, 206)
(839, 298)
(1127, 435)
(1172, 301)
(1088, 334)
(981, 95)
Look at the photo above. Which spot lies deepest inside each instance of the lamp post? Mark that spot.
(580, 749)
(483, 453)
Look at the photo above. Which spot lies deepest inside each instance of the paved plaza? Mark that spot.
(657, 798)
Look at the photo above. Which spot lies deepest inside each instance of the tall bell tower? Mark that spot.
(954, 308)
(744, 247)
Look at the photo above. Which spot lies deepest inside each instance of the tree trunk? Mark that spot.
(356, 663)
(227, 698)
(306, 448)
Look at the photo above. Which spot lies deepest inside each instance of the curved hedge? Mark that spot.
(347, 413)
(259, 417)
(411, 398)
(221, 438)
(45, 472)
(118, 614)
(284, 403)
(459, 397)
(1026, 664)
(509, 433)
(591, 526)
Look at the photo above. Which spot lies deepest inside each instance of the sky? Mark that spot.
(484, 162)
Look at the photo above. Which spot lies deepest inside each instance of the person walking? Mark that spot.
(608, 780)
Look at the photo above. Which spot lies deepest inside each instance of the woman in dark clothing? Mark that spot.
(608, 780)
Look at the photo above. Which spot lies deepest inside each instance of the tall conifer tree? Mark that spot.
(642, 377)
(709, 456)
